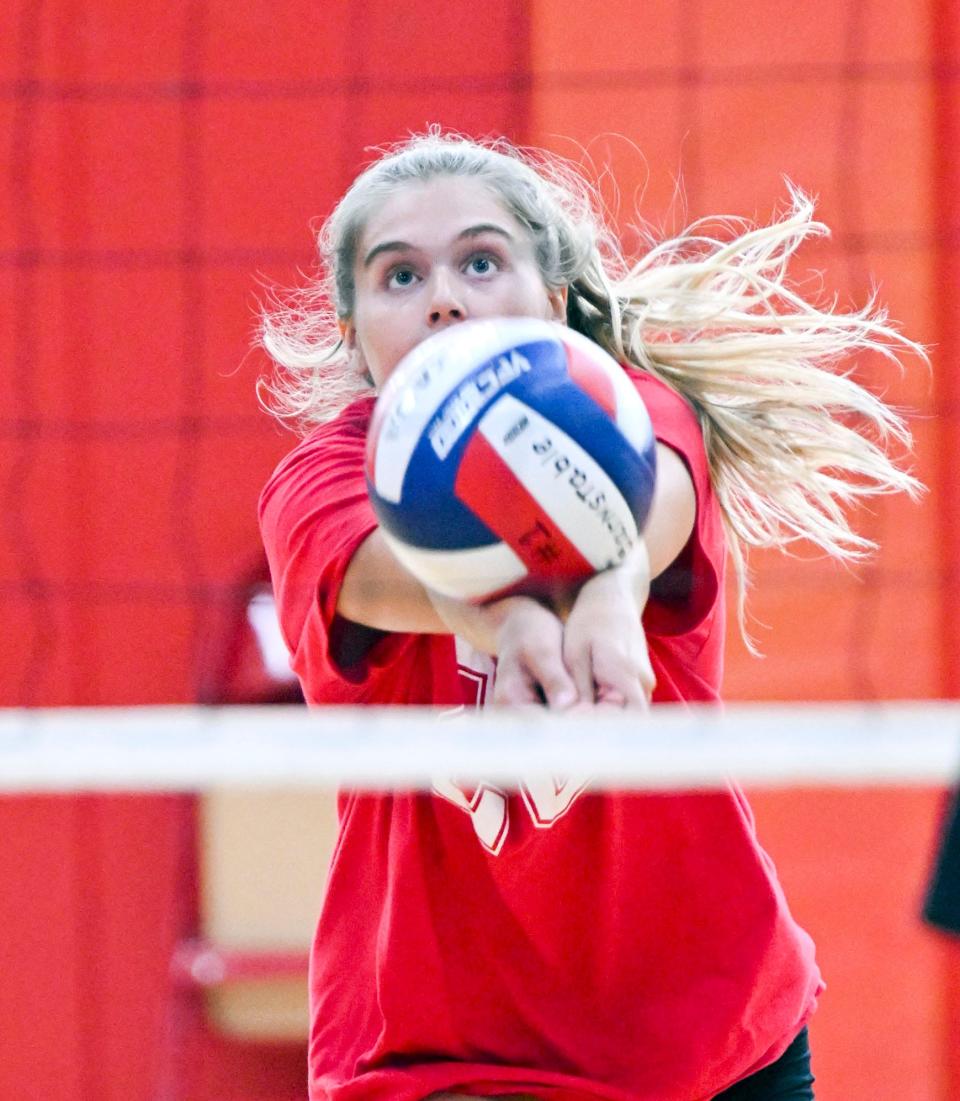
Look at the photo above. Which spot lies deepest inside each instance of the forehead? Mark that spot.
(427, 212)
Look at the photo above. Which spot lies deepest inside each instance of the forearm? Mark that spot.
(604, 645)
(378, 592)
(626, 584)
(524, 635)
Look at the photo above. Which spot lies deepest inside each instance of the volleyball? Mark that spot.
(509, 455)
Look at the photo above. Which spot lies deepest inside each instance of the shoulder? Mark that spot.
(676, 424)
(334, 448)
(348, 426)
(685, 596)
(674, 419)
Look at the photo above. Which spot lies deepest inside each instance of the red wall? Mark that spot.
(845, 99)
(159, 161)
(159, 164)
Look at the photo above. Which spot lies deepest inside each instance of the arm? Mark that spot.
(527, 637)
(378, 592)
(601, 653)
(604, 644)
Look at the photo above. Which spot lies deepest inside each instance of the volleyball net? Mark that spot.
(221, 891)
(193, 748)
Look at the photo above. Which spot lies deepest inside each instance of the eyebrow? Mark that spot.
(404, 246)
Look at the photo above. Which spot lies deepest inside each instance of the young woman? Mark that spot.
(559, 945)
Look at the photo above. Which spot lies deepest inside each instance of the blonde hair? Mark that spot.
(791, 438)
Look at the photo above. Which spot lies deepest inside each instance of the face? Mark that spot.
(435, 254)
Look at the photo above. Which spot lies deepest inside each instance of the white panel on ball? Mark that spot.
(589, 510)
(462, 574)
(427, 376)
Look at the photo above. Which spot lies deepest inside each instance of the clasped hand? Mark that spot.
(597, 653)
(593, 652)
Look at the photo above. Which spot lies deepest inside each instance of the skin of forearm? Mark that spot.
(631, 579)
(378, 592)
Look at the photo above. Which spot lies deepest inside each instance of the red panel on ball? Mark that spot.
(490, 489)
(591, 379)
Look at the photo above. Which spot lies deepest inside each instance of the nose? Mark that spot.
(446, 304)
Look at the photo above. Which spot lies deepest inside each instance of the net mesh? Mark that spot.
(157, 166)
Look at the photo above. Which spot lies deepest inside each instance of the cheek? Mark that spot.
(380, 344)
(536, 296)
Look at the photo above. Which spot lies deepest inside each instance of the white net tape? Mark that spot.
(192, 748)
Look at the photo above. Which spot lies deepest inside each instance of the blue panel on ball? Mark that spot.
(429, 515)
(450, 526)
(564, 404)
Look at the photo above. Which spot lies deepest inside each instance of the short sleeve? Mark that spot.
(688, 591)
(314, 514)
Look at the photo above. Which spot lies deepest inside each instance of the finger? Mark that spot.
(544, 659)
(646, 675)
(514, 687)
(632, 696)
(609, 705)
(576, 658)
(558, 686)
(619, 679)
(611, 697)
(548, 671)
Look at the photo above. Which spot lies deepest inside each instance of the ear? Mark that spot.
(558, 304)
(348, 334)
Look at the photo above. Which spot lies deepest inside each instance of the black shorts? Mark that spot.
(942, 906)
(788, 1079)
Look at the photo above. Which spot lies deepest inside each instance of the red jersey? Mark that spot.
(557, 942)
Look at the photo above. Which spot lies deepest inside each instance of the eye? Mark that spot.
(401, 277)
(483, 263)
